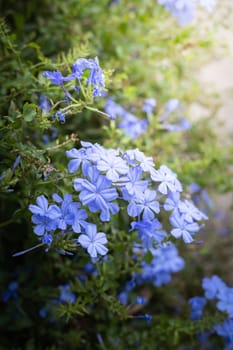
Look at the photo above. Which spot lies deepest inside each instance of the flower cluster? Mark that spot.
(216, 289)
(179, 123)
(107, 181)
(68, 217)
(184, 10)
(128, 122)
(165, 260)
(134, 127)
(94, 78)
(11, 292)
(86, 80)
(65, 296)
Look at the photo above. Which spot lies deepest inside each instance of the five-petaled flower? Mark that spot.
(93, 241)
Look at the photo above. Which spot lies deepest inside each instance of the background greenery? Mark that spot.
(144, 54)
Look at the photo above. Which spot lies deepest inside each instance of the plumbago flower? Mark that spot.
(81, 65)
(184, 10)
(132, 126)
(165, 261)
(105, 182)
(85, 81)
(93, 241)
(216, 290)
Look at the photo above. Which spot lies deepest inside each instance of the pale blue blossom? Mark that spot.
(93, 241)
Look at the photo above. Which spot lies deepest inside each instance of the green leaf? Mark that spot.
(29, 111)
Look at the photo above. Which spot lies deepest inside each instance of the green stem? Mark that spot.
(71, 106)
(28, 250)
(7, 222)
(97, 111)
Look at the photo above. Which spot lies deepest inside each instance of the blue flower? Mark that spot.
(225, 303)
(225, 330)
(97, 193)
(194, 187)
(11, 291)
(61, 117)
(149, 232)
(145, 203)
(64, 211)
(197, 304)
(44, 216)
(44, 104)
(47, 239)
(113, 166)
(56, 77)
(168, 179)
(78, 156)
(165, 261)
(190, 212)
(133, 183)
(183, 228)
(183, 125)
(70, 214)
(140, 300)
(130, 285)
(96, 76)
(183, 10)
(93, 241)
(43, 313)
(213, 286)
(172, 105)
(66, 296)
(133, 126)
(136, 157)
(147, 317)
(172, 201)
(123, 297)
(149, 105)
(95, 152)
(113, 109)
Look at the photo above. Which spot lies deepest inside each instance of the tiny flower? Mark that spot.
(147, 317)
(197, 304)
(44, 104)
(149, 105)
(11, 291)
(140, 300)
(97, 193)
(45, 216)
(96, 76)
(225, 330)
(56, 77)
(66, 295)
(47, 239)
(183, 228)
(213, 286)
(113, 109)
(172, 105)
(113, 166)
(93, 241)
(133, 126)
(60, 116)
(168, 179)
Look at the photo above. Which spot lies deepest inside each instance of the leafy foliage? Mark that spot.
(144, 54)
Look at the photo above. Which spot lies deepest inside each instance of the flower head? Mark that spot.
(45, 216)
(96, 76)
(93, 241)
